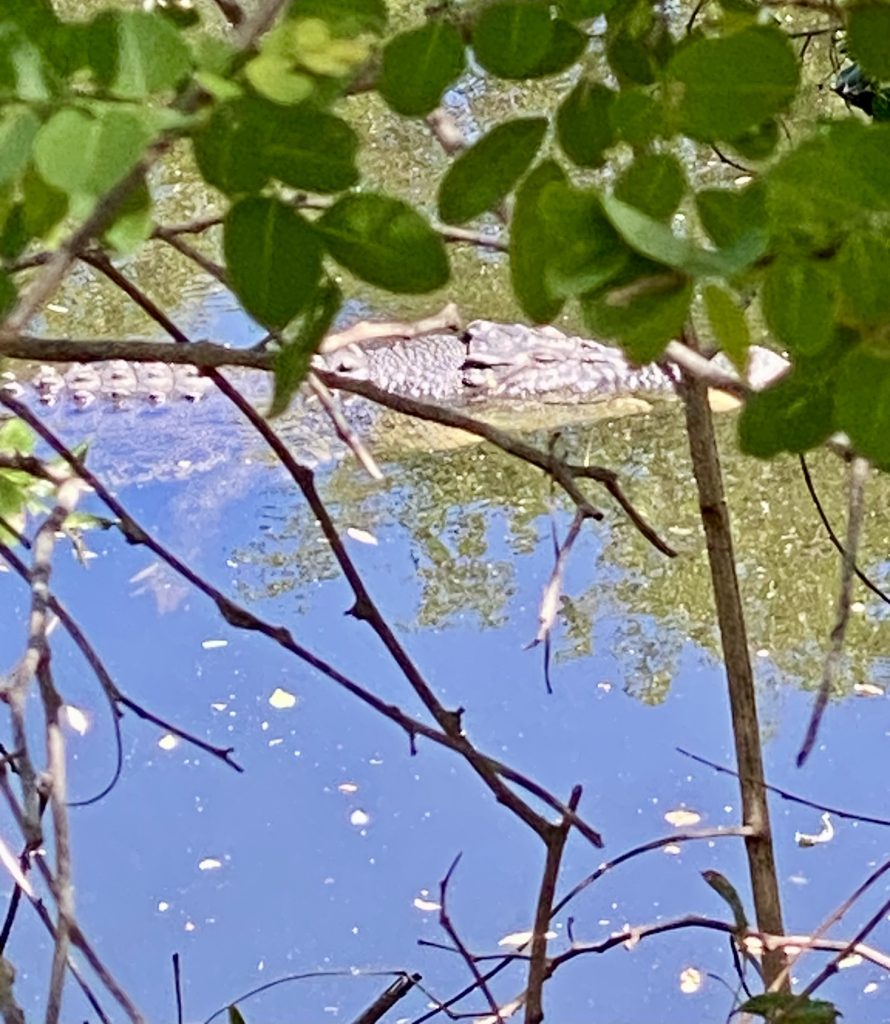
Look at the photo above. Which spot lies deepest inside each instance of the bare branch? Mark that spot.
(539, 968)
(785, 794)
(388, 999)
(448, 926)
(832, 536)
(856, 511)
(77, 937)
(734, 641)
(44, 543)
(115, 696)
(241, 618)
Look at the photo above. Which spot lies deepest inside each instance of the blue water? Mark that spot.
(334, 829)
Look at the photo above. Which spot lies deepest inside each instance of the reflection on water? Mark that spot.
(328, 851)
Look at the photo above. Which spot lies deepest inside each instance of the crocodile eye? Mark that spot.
(348, 361)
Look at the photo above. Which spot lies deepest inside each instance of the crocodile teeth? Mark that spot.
(82, 397)
(83, 377)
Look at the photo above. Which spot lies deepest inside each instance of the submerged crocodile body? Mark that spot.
(142, 424)
(487, 362)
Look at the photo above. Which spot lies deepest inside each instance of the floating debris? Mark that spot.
(77, 719)
(362, 536)
(682, 817)
(690, 981)
(825, 836)
(281, 700)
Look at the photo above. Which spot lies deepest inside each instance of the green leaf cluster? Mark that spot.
(806, 245)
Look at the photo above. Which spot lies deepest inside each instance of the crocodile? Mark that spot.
(486, 363)
(155, 433)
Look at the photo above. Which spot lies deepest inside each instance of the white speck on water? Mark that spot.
(212, 645)
(359, 817)
(168, 741)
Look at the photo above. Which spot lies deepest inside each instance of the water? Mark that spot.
(328, 851)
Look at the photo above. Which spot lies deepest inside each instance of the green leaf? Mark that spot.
(868, 38)
(228, 148)
(273, 258)
(83, 155)
(273, 76)
(728, 324)
(786, 1007)
(862, 399)
(17, 437)
(18, 128)
(511, 39)
(728, 893)
(480, 177)
(44, 207)
(794, 415)
(345, 17)
(655, 240)
(418, 66)
(133, 223)
(583, 125)
(565, 48)
(385, 242)
(135, 54)
(654, 183)
(723, 87)
(824, 184)
(631, 58)
(729, 215)
(311, 149)
(642, 309)
(759, 143)
(530, 245)
(293, 361)
(250, 140)
(24, 73)
(799, 300)
(584, 251)
(863, 271)
(637, 117)
(14, 236)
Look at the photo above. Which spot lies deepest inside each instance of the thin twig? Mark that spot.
(44, 542)
(303, 976)
(115, 696)
(388, 999)
(846, 904)
(539, 967)
(832, 536)
(549, 605)
(448, 926)
(78, 939)
(177, 988)
(241, 618)
(364, 608)
(856, 511)
(785, 794)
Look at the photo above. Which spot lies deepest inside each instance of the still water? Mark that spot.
(327, 853)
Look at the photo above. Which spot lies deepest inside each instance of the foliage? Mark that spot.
(85, 100)
(87, 107)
